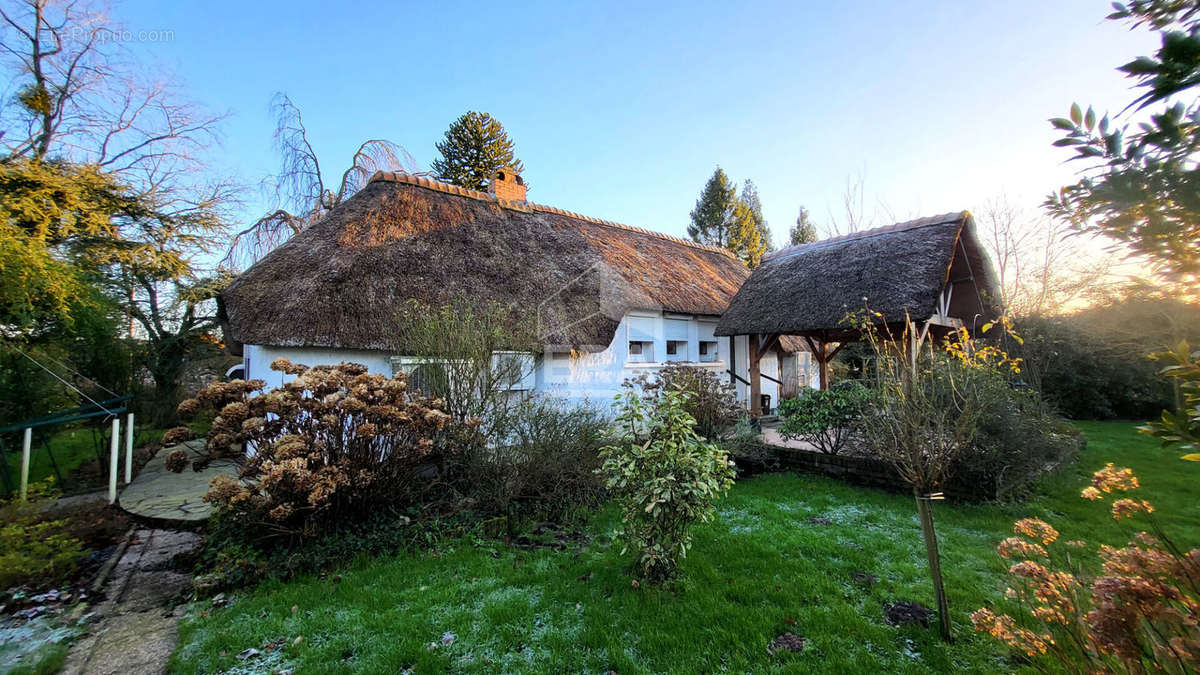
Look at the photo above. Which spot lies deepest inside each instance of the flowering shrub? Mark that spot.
(1142, 613)
(334, 442)
(175, 436)
(665, 476)
(828, 418)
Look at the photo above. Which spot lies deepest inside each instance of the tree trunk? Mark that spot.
(925, 513)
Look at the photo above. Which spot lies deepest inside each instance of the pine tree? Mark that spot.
(710, 218)
(804, 231)
(474, 148)
(745, 238)
(723, 219)
(750, 197)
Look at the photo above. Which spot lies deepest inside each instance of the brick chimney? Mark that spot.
(507, 184)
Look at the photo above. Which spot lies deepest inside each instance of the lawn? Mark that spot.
(761, 568)
(71, 448)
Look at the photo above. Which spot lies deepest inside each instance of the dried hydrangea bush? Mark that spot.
(1140, 614)
(334, 442)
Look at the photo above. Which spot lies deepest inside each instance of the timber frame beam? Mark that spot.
(822, 353)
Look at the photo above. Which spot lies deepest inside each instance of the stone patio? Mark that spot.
(178, 498)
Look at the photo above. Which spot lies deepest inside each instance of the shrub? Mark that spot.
(34, 550)
(1017, 437)
(1141, 614)
(1180, 429)
(750, 455)
(541, 463)
(1087, 372)
(710, 401)
(827, 419)
(665, 476)
(334, 443)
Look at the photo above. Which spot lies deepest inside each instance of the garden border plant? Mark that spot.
(666, 477)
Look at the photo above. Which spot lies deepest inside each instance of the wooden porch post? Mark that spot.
(755, 378)
(759, 345)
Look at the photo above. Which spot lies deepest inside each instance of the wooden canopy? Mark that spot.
(931, 270)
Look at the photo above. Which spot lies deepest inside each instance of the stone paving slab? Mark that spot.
(136, 628)
(159, 494)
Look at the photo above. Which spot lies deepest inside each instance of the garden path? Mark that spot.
(136, 628)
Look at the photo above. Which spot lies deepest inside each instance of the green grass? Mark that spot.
(71, 449)
(759, 570)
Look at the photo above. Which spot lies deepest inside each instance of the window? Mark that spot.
(708, 350)
(641, 351)
(677, 348)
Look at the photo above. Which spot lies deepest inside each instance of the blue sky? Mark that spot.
(621, 111)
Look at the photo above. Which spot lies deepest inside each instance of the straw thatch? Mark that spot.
(809, 289)
(342, 282)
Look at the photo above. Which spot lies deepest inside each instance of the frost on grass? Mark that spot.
(21, 642)
(469, 637)
(740, 521)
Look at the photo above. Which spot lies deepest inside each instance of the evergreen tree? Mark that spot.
(723, 219)
(804, 231)
(745, 237)
(750, 197)
(710, 218)
(474, 148)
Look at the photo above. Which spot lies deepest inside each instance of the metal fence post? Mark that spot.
(128, 448)
(26, 445)
(114, 446)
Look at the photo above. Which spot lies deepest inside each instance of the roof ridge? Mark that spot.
(529, 207)
(923, 221)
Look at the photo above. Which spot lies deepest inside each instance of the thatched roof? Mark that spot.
(343, 281)
(810, 288)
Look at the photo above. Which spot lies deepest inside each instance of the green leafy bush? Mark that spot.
(1087, 371)
(1181, 429)
(1017, 437)
(34, 550)
(541, 463)
(710, 400)
(827, 419)
(666, 477)
(745, 446)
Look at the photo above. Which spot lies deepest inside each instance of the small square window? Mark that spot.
(708, 350)
(641, 351)
(677, 348)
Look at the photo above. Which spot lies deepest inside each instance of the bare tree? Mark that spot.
(925, 413)
(301, 191)
(1043, 266)
(855, 214)
(81, 98)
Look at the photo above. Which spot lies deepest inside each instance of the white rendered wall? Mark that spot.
(579, 377)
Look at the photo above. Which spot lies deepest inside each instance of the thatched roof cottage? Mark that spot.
(609, 301)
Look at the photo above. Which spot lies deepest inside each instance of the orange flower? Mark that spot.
(1016, 547)
(1126, 508)
(1110, 478)
(1036, 529)
(1091, 493)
